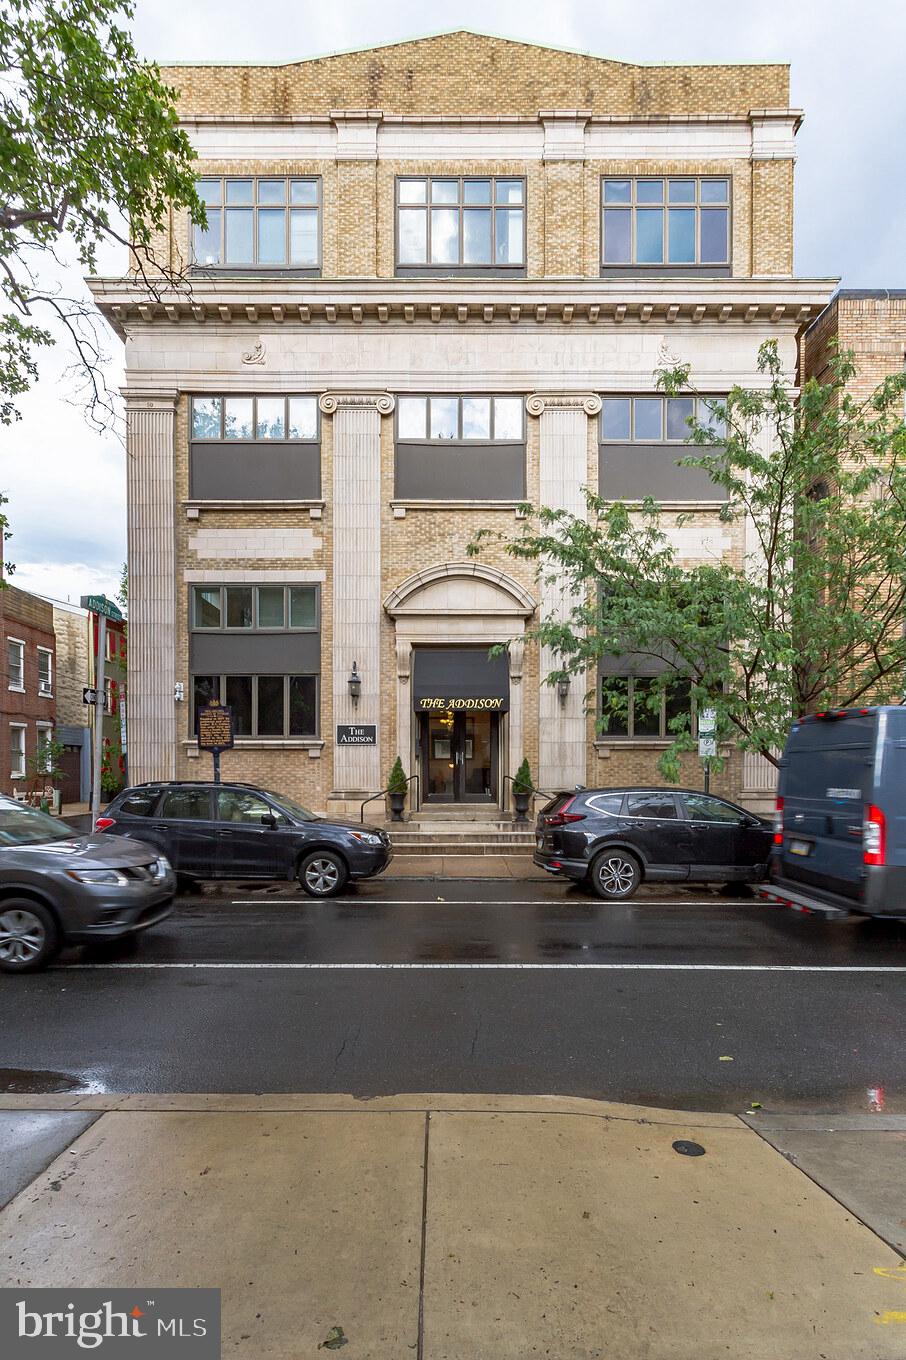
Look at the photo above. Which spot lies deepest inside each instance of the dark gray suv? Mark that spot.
(241, 831)
(58, 887)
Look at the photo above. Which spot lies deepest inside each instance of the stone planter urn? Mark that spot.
(521, 804)
(397, 802)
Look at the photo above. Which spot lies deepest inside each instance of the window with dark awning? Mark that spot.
(464, 679)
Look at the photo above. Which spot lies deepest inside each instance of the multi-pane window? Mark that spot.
(483, 419)
(45, 672)
(15, 663)
(638, 706)
(268, 222)
(17, 750)
(656, 420)
(43, 760)
(269, 608)
(682, 221)
(460, 222)
(263, 705)
(255, 418)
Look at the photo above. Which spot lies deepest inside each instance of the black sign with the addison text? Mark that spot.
(351, 734)
(215, 727)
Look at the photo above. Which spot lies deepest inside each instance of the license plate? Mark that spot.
(800, 848)
(539, 842)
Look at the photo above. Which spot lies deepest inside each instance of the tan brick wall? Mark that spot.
(466, 73)
(772, 217)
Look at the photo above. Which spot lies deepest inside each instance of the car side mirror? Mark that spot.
(268, 819)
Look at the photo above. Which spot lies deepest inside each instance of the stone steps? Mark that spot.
(471, 838)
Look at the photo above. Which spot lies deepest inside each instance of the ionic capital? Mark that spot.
(539, 402)
(382, 402)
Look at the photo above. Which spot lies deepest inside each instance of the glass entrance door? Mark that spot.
(459, 757)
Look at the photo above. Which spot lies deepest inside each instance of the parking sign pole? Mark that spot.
(98, 720)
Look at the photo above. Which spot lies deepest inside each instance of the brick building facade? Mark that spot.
(29, 706)
(436, 281)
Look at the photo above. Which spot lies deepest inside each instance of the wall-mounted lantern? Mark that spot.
(355, 683)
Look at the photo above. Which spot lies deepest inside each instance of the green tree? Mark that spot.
(811, 618)
(88, 137)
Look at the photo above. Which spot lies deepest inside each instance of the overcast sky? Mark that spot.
(66, 485)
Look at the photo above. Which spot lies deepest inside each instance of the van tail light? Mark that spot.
(778, 822)
(564, 817)
(104, 823)
(874, 836)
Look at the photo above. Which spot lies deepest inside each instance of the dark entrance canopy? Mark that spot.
(464, 679)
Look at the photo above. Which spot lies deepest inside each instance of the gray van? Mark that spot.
(840, 828)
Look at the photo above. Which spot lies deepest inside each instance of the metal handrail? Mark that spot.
(382, 793)
(535, 793)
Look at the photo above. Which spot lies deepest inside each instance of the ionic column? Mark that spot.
(563, 479)
(357, 770)
(150, 493)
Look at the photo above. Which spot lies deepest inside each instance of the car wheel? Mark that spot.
(323, 874)
(615, 875)
(29, 935)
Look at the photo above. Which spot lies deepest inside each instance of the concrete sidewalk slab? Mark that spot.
(29, 1142)
(463, 866)
(546, 1225)
(303, 1221)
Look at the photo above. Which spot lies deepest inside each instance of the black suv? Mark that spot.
(240, 831)
(613, 839)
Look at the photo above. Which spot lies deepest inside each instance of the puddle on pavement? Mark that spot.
(27, 1081)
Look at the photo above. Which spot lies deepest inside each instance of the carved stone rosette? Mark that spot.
(539, 402)
(382, 402)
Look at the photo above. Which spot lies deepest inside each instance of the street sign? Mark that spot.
(99, 604)
(90, 696)
(349, 734)
(707, 733)
(215, 727)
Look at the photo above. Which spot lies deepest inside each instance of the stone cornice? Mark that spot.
(382, 402)
(267, 301)
(539, 402)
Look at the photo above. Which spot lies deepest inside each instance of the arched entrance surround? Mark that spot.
(460, 604)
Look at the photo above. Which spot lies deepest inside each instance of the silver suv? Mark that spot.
(58, 887)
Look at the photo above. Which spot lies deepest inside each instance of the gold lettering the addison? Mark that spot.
(488, 704)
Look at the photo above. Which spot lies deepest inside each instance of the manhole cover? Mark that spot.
(687, 1148)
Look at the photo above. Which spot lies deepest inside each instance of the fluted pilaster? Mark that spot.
(150, 436)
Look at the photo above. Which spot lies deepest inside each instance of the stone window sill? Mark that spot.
(313, 745)
(194, 508)
(605, 749)
(401, 508)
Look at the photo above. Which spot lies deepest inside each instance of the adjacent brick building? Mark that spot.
(436, 281)
(28, 709)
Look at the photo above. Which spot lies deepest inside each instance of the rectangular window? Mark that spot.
(658, 420)
(444, 419)
(45, 737)
(272, 223)
(17, 750)
(636, 706)
(273, 419)
(255, 608)
(15, 663)
(45, 672)
(460, 223)
(263, 705)
(665, 221)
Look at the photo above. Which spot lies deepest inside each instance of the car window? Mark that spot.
(139, 803)
(187, 805)
(236, 805)
(702, 808)
(20, 825)
(301, 814)
(651, 805)
(606, 802)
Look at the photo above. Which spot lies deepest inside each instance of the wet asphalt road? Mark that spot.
(477, 986)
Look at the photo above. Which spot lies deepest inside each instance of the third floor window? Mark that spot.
(665, 221)
(460, 223)
(272, 223)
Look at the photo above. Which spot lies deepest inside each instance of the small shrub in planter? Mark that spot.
(397, 788)
(523, 789)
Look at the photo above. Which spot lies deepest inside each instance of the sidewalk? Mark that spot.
(450, 1227)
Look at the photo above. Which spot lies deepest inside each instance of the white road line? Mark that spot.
(486, 902)
(501, 967)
